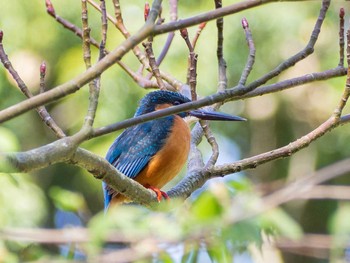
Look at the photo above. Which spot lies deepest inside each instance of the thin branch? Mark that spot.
(66, 24)
(192, 81)
(222, 85)
(42, 77)
(310, 245)
(212, 142)
(143, 82)
(153, 63)
(301, 187)
(219, 97)
(341, 37)
(285, 151)
(150, 54)
(149, 28)
(43, 113)
(338, 111)
(208, 16)
(98, 8)
(86, 34)
(169, 40)
(251, 57)
(119, 23)
(200, 28)
(309, 49)
(294, 82)
(76, 83)
(198, 178)
(335, 192)
(93, 88)
(308, 242)
(282, 152)
(192, 65)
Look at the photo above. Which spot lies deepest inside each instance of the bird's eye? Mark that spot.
(177, 102)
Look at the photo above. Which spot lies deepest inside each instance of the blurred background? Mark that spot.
(279, 31)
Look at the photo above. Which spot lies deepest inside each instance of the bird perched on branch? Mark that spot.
(153, 153)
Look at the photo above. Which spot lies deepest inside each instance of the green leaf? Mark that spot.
(207, 207)
(241, 185)
(8, 141)
(339, 223)
(67, 200)
(279, 221)
(165, 257)
(219, 252)
(339, 226)
(22, 203)
(242, 234)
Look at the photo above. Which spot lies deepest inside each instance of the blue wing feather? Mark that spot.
(134, 148)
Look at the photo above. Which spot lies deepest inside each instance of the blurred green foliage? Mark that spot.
(279, 31)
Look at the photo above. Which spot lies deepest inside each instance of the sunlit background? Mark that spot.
(279, 31)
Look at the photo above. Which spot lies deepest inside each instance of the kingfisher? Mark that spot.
(154, 152)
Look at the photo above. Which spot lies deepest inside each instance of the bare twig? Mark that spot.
(199, 177)
(66, 24)
(200, 28)
(208, 16)
(114, 57)
(192, 65)
(94, 71)
(86, 34)
(143, 82)
(341, 37)
(119, 23)
(251, 57)
(192, 80)
(300, 55)
(301, 187)
(99, 8)
(212, 142)
(298, 81)
(153, 63)
(338, 111)
(150, 54)
(337, 192)
(291, 148)
(42, 77)
(169, 40)
(93, 84)
(222, 85)
(104, 26)
(310, 245)
(43, 113)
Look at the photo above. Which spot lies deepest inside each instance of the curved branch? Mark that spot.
(91, 73)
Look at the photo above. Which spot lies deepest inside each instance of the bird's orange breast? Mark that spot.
(167, 162)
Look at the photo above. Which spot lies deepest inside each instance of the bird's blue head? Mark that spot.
(161, 99)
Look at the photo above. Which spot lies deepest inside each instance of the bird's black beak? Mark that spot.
(214, 116)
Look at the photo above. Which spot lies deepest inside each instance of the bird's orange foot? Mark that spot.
(159, 193)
